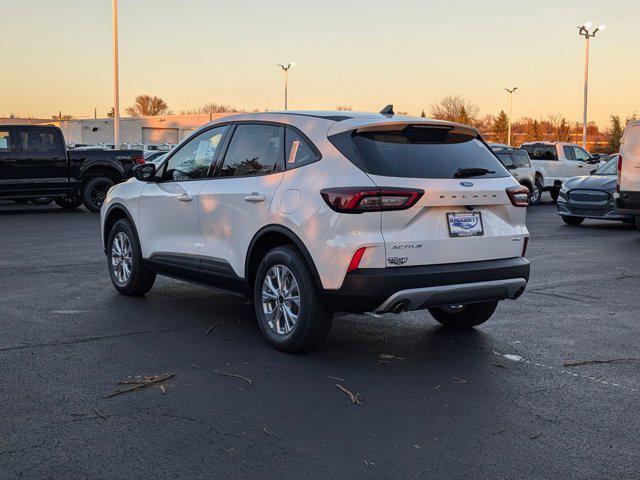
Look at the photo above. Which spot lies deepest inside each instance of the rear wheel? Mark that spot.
(572, 220)
(128, 273)
(288, 306)
(69, 201)
(464, 316)
(535, 193)
(95, 191)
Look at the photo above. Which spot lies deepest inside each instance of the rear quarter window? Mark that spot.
(521, 159)
(417, 152)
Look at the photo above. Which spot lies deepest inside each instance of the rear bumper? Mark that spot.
(628, 202)
(381, 289)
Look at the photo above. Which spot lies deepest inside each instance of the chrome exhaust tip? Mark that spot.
(400, 307)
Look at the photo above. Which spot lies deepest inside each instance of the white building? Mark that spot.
(160, 129)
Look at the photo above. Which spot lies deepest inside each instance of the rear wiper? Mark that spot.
(471, 172)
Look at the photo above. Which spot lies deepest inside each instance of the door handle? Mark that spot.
(185, 197)
(580, 166)
(255, 197)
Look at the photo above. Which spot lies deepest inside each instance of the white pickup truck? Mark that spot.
(555, 162)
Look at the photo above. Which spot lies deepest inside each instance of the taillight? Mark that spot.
(138, 160)
(519, 196)
(355, 261)
(370, 199)
(619, 173)
(525, 245)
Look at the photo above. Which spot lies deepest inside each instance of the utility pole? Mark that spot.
(116, 82)
(285, 69)
(510, 92)
(583, 30)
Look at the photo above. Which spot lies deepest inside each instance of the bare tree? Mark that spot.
(148, 106)
(344, 107)
(455, 108)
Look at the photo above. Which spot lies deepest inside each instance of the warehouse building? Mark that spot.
(160, 129)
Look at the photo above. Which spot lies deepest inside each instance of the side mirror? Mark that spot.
(145, 172)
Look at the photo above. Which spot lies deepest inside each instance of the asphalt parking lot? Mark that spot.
(497, 402)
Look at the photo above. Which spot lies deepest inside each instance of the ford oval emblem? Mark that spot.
(466, 184)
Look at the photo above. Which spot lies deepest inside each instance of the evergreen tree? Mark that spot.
(500, 127)
(615, 135)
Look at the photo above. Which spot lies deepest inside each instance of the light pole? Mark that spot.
(583, 30)
(510, 92)
(116, 83)
(285, 69)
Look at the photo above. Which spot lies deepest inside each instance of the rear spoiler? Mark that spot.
(369, 124)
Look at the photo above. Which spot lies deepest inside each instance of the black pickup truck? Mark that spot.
(36, 166)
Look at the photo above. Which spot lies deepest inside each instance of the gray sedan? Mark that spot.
(591, 196)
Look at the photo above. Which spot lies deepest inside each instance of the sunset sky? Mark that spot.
(57, 55)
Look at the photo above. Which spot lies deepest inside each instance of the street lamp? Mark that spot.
(285, 69)
(510, 92)
(116, 86)
(584, 30)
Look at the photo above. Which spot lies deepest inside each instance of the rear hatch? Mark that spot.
(464, 214)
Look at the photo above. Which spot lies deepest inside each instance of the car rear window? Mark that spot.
(417, 151)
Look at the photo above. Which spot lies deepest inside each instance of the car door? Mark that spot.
(8, 168)
(236, 203)
(169, 227)
(576, 164)
(40, 161)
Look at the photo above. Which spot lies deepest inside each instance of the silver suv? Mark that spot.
(518, 163)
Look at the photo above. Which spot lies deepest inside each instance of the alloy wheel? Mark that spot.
(280, 299)
(121, 258)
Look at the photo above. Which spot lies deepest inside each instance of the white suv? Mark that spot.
(308, 213)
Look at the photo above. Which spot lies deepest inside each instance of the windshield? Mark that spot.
(609, 168)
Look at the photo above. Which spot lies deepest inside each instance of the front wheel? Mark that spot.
(572, 220)
(535, 193)
(70, 201)
(288, 306)
(95, 192)
(128, 273)
(464, 316)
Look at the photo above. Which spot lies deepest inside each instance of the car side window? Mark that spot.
(193, 159)
(568, 153)
(581, 154)
(254, 150)
(5, 141)
(37, 140)
(297, 152)
(544, 152)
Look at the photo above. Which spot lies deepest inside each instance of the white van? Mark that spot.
(628, 195)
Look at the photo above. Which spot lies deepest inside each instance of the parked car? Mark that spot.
(151, 156)
(518, 163)
(36, 166)
(555, 162)
(628, 197)
(308, 213)
(591, 196)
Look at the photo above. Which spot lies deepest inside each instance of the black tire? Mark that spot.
(41, 201)
(314, 318)
(464, 316)
(535, 193)
(572, 220)
(95, 191)
(555, 193)
(141, 278)
(69, 202)
(21, 202)
(637, 222)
